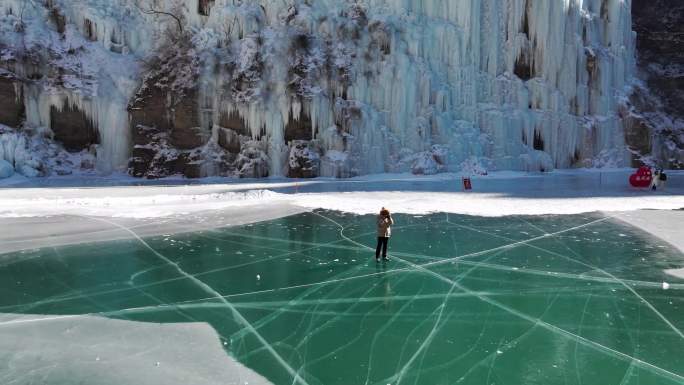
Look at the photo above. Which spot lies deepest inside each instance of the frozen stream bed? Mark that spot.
(546, 299)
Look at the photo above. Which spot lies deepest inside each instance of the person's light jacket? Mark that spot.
(384, 226)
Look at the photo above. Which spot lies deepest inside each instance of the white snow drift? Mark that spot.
(496, 195)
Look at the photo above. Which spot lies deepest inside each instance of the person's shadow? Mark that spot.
(384, 283)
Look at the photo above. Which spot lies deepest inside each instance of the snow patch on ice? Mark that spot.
(121, 352)
(679, 273)
(142, 205)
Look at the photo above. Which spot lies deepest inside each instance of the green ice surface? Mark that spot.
(553, 300)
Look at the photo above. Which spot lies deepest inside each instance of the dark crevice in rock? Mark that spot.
(523, 67)
(576, 157)
(73, 128)
(592, 66)
(204, 7)
(234, 122)
(298, 129)
(11, 102)
(538, 143)
(90, 29)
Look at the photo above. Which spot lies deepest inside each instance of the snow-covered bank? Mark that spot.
(568, 192)
(490, 205)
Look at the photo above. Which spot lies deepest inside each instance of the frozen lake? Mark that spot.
(572, 299)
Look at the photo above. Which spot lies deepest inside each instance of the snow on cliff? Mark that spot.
(357, 87)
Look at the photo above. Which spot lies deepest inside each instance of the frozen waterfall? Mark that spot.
(368, 86)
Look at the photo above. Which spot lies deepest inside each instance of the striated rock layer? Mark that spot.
(326, 88)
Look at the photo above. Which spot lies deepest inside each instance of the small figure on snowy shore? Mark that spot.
(659, 178)
(384, 223)
(662, 179)
(655, 180)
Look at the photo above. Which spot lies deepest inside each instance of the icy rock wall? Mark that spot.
(70, 59)
(655, 131)
(369, 85)
(526, 84)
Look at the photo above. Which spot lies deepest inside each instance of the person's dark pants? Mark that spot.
(382, 244)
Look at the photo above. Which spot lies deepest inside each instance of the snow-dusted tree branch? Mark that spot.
(150, 10)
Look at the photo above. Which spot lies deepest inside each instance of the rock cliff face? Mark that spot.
(659, 25)
(343, 88)
(659, 128)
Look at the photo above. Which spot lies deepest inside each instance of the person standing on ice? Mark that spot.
(385, 223)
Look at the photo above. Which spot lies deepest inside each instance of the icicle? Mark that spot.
(480, 77)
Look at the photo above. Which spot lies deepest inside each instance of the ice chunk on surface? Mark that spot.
(97, 350)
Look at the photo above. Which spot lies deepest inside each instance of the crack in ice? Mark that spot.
(550, 327)
(210, 290)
